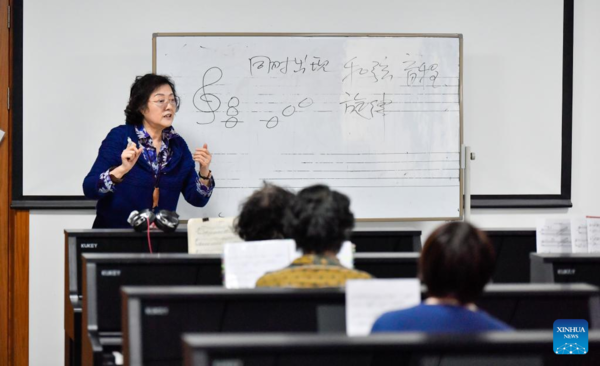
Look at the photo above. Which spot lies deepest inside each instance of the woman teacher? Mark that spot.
(145, 164)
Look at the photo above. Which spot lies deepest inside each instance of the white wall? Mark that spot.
(46, 227)
(46, 281)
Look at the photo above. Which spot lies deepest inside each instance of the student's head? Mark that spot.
(152, 98)
(261, 216)
(320, 220)
(457, 261)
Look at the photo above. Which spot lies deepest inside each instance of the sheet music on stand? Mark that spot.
(209, 236)
(246, 262)
(593, 234)
(553, 236)
(579, 235)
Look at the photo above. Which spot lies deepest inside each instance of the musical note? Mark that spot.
(207, 102)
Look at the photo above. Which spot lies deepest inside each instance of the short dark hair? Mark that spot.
(261, 216)
(141, 89)
(457, 261)
(320, 220)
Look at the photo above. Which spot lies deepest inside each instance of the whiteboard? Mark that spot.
(375, 117)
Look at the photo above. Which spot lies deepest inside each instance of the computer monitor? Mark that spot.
(157, 316)
(387, 241)
(104, 274)
(96, 241)
(388, 265)
(512, 247)
(537, 306)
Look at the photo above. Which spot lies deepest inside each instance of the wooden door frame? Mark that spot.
(14, 224)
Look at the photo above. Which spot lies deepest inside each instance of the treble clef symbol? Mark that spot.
(203, 99)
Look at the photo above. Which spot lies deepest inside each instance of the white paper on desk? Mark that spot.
(579, 240)
(367, 300)
(246, 262)
(208, 237)
(593, 232)
(553, 236)
(345, 255)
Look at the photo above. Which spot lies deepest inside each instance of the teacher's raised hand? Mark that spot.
(203, 157)
(129, 157)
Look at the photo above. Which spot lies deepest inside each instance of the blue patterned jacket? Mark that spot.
(135, 191)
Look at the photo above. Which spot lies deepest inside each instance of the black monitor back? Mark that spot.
(78, 242)
(155, 317)
(537, 306)
(388, 265)
(387, 241)
(512, 247)
(499, 349)
(164, 313)
(512, 254)
(104, 274)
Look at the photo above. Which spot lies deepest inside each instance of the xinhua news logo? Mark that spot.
(571, 337)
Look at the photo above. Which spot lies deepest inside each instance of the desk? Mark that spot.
(156, 316)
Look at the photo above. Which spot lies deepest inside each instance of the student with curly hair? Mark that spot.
(319, 221)
(261, 217)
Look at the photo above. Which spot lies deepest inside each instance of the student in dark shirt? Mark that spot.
(456, 263)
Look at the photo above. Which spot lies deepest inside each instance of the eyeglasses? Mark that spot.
(162, 103)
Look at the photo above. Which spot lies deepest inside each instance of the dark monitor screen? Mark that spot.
(537, 306)
(155, 323)
(512, 249)
(388, 265)
(115, 270)
(116, 241)
(386, 241)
